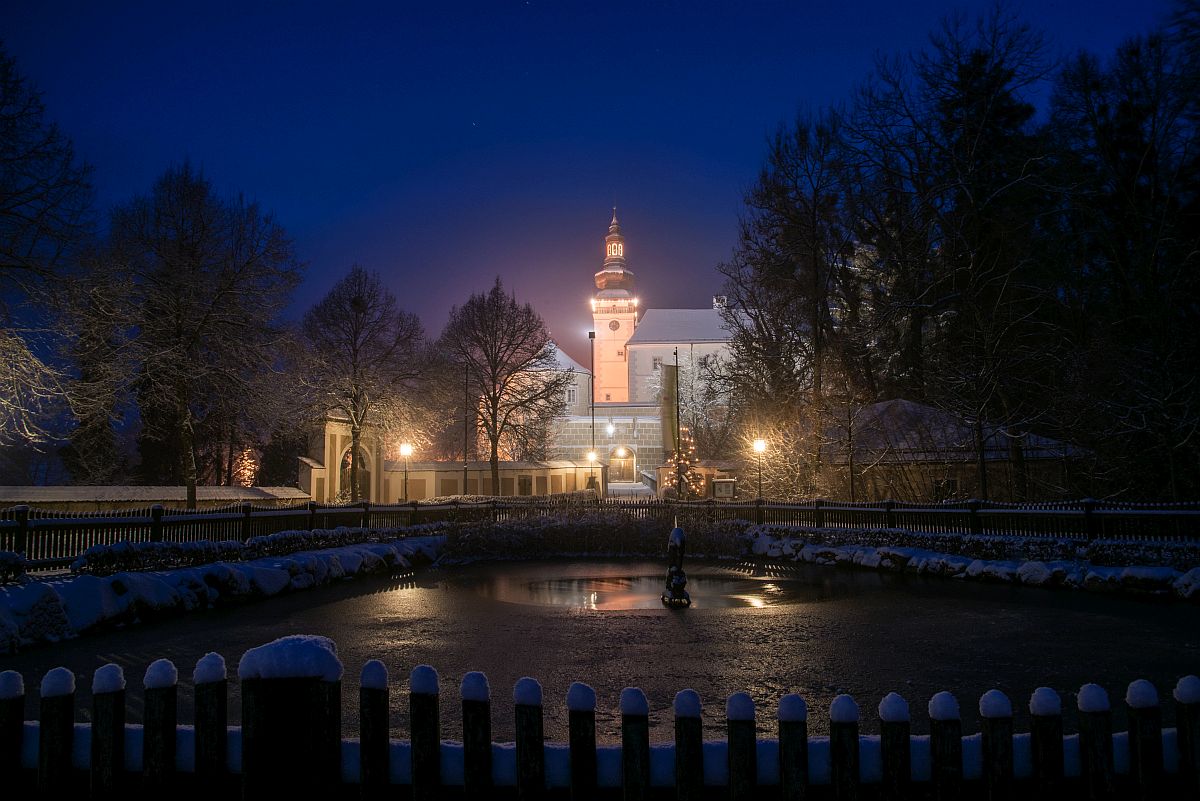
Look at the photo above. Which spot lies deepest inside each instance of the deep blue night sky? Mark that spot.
(443, 144)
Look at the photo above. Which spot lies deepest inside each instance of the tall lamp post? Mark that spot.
(405, 451)
(591, 457)
(760, 447)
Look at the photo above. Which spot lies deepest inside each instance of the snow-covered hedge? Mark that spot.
(104, 560)
(1182, 556)
(1017, 560)
(51, 610)
(12, 566)
(593, 534)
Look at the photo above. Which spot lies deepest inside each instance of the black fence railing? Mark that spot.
(49, 539)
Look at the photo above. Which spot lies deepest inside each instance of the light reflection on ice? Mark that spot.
(635, 592)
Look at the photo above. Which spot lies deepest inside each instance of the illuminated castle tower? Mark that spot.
(615, 316)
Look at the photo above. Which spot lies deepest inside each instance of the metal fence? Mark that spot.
(51, 539)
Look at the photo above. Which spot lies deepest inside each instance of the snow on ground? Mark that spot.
(53, 609)
(837, 547)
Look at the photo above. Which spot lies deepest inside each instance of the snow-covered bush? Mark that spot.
(12, 566)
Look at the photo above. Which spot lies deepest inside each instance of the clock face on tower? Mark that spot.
(614, 325)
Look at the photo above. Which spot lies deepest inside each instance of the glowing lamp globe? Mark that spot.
(406, 450)
(591, 456)
(760, 446)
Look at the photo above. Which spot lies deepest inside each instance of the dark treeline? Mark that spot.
(938, 239)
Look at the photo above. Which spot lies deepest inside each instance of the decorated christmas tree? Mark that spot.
(683, 466)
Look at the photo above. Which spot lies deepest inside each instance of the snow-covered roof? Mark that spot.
(398, 466)
(901, 430)
(565, 362)
(678, 326)
(18, 495)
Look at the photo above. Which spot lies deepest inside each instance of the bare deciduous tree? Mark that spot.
(510, 363)
(366, 353)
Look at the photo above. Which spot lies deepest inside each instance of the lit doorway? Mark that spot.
(621, 465)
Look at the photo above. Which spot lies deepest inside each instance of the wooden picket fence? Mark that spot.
(290, 742)
(50, 539)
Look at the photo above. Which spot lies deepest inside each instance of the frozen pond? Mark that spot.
(814, 630)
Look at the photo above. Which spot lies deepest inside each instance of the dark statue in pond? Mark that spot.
(676, 593)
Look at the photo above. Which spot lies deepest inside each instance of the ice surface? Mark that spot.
(161, 673)
(423, 680)
(209, 668)
(1092, 698)
(1187, 691)
(58, 681)
(475, 687)
(374, 675)
(1141, 694)
(527, 692)
(12, 684)
(739, 706)
(893, 709)
(687, 704)
(943, 706)
(581, 698)
(1045, 702)
(793, 708)
(108, 679)
(995, 704)
(294, 657)
(633, 702)
(843, 709)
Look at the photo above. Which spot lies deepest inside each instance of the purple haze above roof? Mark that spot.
(444, 144)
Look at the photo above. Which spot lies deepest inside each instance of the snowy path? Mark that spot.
(858, 632)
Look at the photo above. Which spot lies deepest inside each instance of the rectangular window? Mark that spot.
(657, 363)
(572, 395)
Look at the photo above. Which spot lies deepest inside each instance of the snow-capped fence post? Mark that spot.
(581, 740)
(211, 683)
(1187, 723)
(758, 510)
(366, 515)
(889, 514)
(247, 512)
(426, 733)
(56, 733)
(635, 744)
(291, 718)
(843, 748)
(373, 765)
(743, 747)
(531, 750)
(996, 726)
(159, 720)
(975, 518)
(1095, 742)
(945, 746)
(156, 524)
(312, 515)
(793, 748)
(477, 735)
(689, 746)
(1145, 738)
(1046, 742)
(108, 731)
(895, 748)
(12, 726)
(819, 513)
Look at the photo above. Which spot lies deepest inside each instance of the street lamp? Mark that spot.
(405, 451)
(760, 447)
(591, 457)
